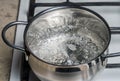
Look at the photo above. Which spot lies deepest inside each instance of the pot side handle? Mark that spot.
(114, 31)
(9, 26)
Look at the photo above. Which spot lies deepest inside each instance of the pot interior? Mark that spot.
(67, 36)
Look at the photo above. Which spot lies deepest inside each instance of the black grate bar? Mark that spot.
(115, 30)
(31, 9)
(117, 65)
(67, 1)
(77, 4)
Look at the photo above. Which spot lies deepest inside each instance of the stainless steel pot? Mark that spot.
(60, 25)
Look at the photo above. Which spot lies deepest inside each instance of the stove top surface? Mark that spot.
(111, 15)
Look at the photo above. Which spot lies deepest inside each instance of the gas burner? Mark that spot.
(20, 69)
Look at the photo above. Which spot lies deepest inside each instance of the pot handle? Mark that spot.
(114, 30)
(4, 33)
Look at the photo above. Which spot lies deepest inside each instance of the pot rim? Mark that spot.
(65, 7)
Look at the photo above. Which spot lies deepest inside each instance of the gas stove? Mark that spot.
(109, 10)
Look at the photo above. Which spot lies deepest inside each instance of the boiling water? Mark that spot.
(65, 44)
(61, 50)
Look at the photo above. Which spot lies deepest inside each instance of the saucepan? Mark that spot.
(65, 43)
